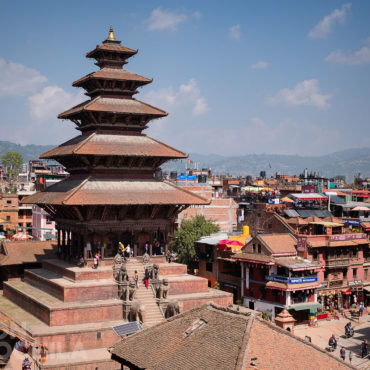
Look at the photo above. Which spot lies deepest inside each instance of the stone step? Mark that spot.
(55, 312)
(70, 290)
(78, 273)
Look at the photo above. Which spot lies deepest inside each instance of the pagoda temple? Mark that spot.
(113, 192)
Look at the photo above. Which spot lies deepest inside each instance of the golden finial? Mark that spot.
(111, 36)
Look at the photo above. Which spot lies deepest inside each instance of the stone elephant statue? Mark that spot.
(137, 312)
(172, 309)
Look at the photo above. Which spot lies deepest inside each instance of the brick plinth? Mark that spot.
(76, 273)
(192, 303)
(172, 269)
(69, 292)
(54, 312)
(187, 284)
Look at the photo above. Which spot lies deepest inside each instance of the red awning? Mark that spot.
(346, 291)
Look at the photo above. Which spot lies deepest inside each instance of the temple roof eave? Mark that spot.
(113, 105)
(114, 145)
(108, 191)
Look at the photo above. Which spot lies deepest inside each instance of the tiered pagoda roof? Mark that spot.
(112, 162)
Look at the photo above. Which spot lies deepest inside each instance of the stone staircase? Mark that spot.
(153, 314)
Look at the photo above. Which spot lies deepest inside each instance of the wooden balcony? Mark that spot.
(337, 262)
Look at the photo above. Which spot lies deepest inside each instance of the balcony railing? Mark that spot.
(336, 262)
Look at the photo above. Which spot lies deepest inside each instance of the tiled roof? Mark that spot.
(366, 225)
(103, 191)
(114, 144)
(116, 105)
(290, 287)
(210, 337)
(113, 74)
(111, 47)
(295, 263)
(279, 243)
(252, 257)
(18, 252)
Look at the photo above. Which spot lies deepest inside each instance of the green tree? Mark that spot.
(183, 242)
(13, 162)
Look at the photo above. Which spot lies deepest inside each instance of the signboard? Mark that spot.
(301, 244)
(355, 282)
(296, 280)
(300, 280)
(352, 222)
(344, 237)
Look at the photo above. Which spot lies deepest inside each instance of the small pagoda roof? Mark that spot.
(110, 47)
(113, 74)
(114, 105)
(114, 145)
(108, 191)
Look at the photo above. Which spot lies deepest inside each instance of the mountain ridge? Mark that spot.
(345, 162)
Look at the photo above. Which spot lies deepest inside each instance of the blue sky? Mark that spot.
(237, 77)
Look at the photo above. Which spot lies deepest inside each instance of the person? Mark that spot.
(128, 251)
(136, 278)
(364, 348)
(81, 262)
(121, 249)
(348, 329)
(26, 364)
(146, 247)
(343, 353)
(350, 357)
(333, 342)
(43, 352)
(88, 249)
(361, 308)
(146, 278)
(96, 261)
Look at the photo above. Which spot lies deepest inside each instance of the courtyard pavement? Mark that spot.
(320, 336)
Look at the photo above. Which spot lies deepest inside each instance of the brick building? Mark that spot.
(274, 276)
(9, 208)
(222, 211)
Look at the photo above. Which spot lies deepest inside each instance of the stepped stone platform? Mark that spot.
(73, 309)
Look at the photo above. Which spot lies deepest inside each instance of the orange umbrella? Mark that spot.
(22, 236)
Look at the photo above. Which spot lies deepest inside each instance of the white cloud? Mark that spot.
(51, 101)
(186, 99)
(260, 65)
(17, 79)
(160, 20)
(304, 93)
(322, 29)
(359, 57)
(235, 32)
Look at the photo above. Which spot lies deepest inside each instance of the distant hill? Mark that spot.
(28, 152)
(345, 162)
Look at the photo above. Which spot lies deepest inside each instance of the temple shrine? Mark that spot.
(113, 194)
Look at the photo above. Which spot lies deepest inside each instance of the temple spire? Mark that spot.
(111, 37)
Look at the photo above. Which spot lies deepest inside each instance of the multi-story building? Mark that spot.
(43, 225)
(9, 211)
(274, 276)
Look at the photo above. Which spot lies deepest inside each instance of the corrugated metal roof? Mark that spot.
(291, 213)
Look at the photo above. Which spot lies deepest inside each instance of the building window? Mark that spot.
(269, 226)
(314, 256)
(48, 220)
(209, 266)
(354, 253)
(344, 273)
(8, 218)
(325, 275)
(259, 248)
(354, 273)
(365, 274)
(254, 248)
(8, 202)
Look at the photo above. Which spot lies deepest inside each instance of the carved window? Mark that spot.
(354, 273)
